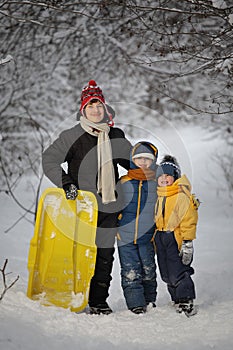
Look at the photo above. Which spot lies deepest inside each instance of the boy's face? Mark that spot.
(165, 180)
(94, 111)
(143, 162)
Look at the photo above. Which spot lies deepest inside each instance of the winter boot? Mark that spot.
(187, 307)
(138, 310)
(100, 309)
(151, 304)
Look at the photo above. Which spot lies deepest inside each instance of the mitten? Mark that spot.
(71, 191)
(186, 252)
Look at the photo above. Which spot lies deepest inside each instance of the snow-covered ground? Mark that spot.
(25, 324)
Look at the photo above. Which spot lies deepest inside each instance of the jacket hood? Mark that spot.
(144, 145)
(183, 181)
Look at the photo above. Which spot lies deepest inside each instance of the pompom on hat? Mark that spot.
(93, 92)
(169, 166)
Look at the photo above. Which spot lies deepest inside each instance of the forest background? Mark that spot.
(173, 57)
(167, 69)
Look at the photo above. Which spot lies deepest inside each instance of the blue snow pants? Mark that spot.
(177, 275)
(138, 273)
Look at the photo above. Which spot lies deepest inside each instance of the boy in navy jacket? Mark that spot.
(136, 229)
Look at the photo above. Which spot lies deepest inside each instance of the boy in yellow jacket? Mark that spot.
(176, 220)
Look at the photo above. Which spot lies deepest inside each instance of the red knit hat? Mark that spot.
(90, 92)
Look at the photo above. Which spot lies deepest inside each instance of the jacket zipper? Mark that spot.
(138, 211)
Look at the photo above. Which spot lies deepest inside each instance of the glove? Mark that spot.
(71, 191)
(186, 252)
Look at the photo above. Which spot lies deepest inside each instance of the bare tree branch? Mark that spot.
(5, 60)
(4, 279)
(172, 56)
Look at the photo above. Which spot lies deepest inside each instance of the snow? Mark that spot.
(26, 324)
(5, 60)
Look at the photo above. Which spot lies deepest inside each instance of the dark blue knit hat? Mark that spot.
(169, 166)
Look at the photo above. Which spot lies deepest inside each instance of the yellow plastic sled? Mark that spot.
(62, 251)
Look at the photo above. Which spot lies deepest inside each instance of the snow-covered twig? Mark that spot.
(5, 286)
(10, 191)
(5, 60)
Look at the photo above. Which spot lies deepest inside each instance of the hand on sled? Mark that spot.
(71, 191)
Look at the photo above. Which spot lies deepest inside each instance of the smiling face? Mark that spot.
(165, 180)
(94, 111)
(143, 162)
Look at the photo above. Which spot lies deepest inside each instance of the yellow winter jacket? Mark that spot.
(174, 210)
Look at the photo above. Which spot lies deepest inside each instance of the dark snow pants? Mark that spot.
(177, 275)
(100, 282)
(105, 240)
(138, 273)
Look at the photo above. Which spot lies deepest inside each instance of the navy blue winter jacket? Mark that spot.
(136, 221)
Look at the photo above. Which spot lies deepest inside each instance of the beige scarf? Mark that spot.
(106, 174)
